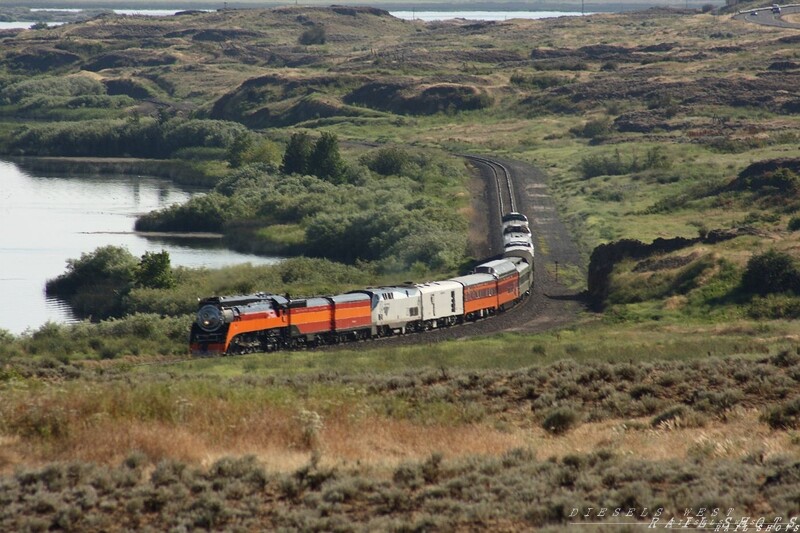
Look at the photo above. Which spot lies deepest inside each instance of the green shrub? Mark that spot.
(50, 86)
(771, 272)
(774, 307)
(593, 129)
(670, 415)
(782, 181)
(120, 138)
(297, 154)
(325, 160)
(794, 223)
(388, 161)
(560, 420)
(154, 271)
(208, 212)
(784, 416)
(110, 266)
(614, 165)
(313, 35)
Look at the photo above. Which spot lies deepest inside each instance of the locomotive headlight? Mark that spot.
(209, 318)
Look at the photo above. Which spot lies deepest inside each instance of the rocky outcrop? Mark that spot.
(606, 256)
(412, 99)
(42, 59)
(759, 168)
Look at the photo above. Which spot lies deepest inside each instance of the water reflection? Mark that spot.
(47, 219)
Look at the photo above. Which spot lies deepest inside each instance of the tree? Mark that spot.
(264, 151)
(238, 149)
(154, 271)
(326, 162)
(297, 154)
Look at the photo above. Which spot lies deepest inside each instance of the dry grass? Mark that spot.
(742, 435)
(390, 442)
(386, 443)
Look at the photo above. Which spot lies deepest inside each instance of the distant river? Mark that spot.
(427, 16)
(45, 220)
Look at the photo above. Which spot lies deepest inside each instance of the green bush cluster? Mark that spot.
(391, 161)
(778, 182)
(397, 220)
(50, 86)
(123, 138)
(98, 282)
(614, 165)
(560, 420)
(320, 158)
(206, 212)
(110, 282)
(53, 345)
(771, 272)
(593, 129)
(785, 415)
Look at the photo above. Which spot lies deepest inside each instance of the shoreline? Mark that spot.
(570, 6)
(179, 171)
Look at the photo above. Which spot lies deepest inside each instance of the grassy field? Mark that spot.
(681, 393)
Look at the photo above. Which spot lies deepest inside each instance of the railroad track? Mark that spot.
(505, 202)
(502, 178)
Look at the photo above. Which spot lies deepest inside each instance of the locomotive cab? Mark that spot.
(238, 324)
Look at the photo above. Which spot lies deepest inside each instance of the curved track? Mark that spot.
(506, 200)
(512, 186)
(551, 304)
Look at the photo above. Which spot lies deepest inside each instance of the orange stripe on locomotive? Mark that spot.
(248, 323)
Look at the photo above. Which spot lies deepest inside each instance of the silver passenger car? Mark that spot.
(442, 303)
(395, 309)
(525, 270)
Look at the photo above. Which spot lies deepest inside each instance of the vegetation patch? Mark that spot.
(414, 99)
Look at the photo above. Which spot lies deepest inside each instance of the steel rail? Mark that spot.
(501, 183)
(505, 181)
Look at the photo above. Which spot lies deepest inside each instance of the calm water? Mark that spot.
(47, 220)
(427, 16)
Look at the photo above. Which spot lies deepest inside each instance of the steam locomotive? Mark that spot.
(264, 322)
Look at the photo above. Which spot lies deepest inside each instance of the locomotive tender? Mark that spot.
(264, 322)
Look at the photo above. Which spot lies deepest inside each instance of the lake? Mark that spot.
(48, 219)
(427, 16)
